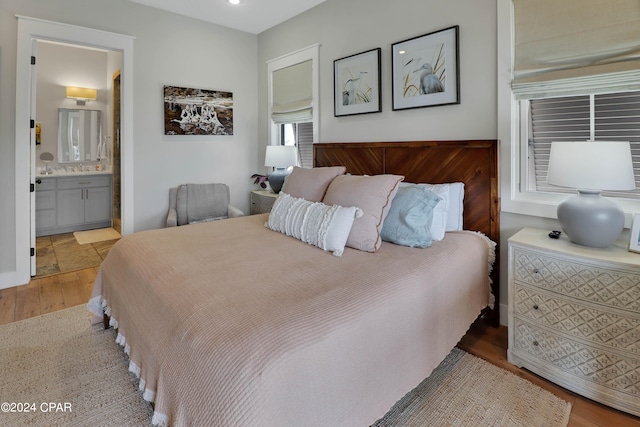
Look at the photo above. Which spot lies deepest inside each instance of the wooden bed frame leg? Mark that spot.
(494, 317)
(105, 320)
(491, 317)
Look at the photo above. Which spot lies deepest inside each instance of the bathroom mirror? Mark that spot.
(79, 135)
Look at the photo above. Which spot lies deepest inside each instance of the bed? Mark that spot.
(230, 323)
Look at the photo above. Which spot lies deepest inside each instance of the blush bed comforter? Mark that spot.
(228, 323)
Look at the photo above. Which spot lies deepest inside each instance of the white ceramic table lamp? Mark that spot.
(280, 157)
(587, 218)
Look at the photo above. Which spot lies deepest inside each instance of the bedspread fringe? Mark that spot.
(99, 307)
(160, 420)
(491, 259)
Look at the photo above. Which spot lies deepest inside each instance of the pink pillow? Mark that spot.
(372, 194)
(311, 184)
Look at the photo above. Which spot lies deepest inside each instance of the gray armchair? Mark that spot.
(192, 203)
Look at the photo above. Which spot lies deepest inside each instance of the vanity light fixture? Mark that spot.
(233, 2)
(81, 94)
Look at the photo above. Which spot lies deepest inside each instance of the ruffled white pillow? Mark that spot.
(315, 223)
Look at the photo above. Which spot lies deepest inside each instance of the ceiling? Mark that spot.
(252, 16)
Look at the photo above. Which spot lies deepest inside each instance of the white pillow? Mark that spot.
(449, 210)
(456, 206)
(315, 223)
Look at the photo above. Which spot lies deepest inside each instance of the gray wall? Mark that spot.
(344, 28)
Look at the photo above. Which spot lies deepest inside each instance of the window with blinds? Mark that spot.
(299, 135)
(612, 116)
(305, 144)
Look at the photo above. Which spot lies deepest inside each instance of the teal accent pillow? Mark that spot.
(409, 220)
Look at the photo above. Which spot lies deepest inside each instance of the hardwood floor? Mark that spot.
(66, 290)
(46, 294)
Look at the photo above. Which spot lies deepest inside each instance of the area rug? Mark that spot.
(68, 372)
(97, 235)
(57, 369)
(465, 390)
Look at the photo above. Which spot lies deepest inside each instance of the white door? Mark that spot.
(32, 157)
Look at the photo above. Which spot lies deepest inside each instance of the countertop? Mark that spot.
(57, 174)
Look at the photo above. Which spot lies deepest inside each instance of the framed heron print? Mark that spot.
(425, 70)
(356, 81)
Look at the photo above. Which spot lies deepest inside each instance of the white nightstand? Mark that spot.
(574, 316)
(262, 201)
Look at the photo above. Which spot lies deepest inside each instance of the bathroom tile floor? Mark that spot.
(61, 253)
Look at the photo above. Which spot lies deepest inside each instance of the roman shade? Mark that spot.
(292, 94)
(575, 46)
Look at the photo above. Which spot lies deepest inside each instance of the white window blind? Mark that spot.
(614, 117)
(299, 135)
(292, 94)
(305, 144)
(561, 45)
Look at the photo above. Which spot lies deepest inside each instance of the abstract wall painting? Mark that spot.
(189, 111)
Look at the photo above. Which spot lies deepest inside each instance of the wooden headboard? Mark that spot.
(475, 163)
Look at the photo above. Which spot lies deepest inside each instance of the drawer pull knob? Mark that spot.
(535, 306)
(536, 343)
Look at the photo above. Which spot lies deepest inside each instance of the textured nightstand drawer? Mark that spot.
(617, 288)
(577, 320)
(588, 364)
(262, 201)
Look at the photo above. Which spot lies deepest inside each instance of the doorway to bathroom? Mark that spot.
(31, 30)
(77, 135)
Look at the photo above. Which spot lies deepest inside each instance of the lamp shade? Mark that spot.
(280, 156)
(591, 165)
(587, 218)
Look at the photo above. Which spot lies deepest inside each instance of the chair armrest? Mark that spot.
(234, 212)
(172, 218)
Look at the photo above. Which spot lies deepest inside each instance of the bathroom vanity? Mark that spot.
(73, 202)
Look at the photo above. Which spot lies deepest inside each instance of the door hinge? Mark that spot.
(33, 60)
(33, 251)
(32, 188)
(32, 123)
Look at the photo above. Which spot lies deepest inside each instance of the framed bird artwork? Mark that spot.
(356, 81)
(425, 70)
